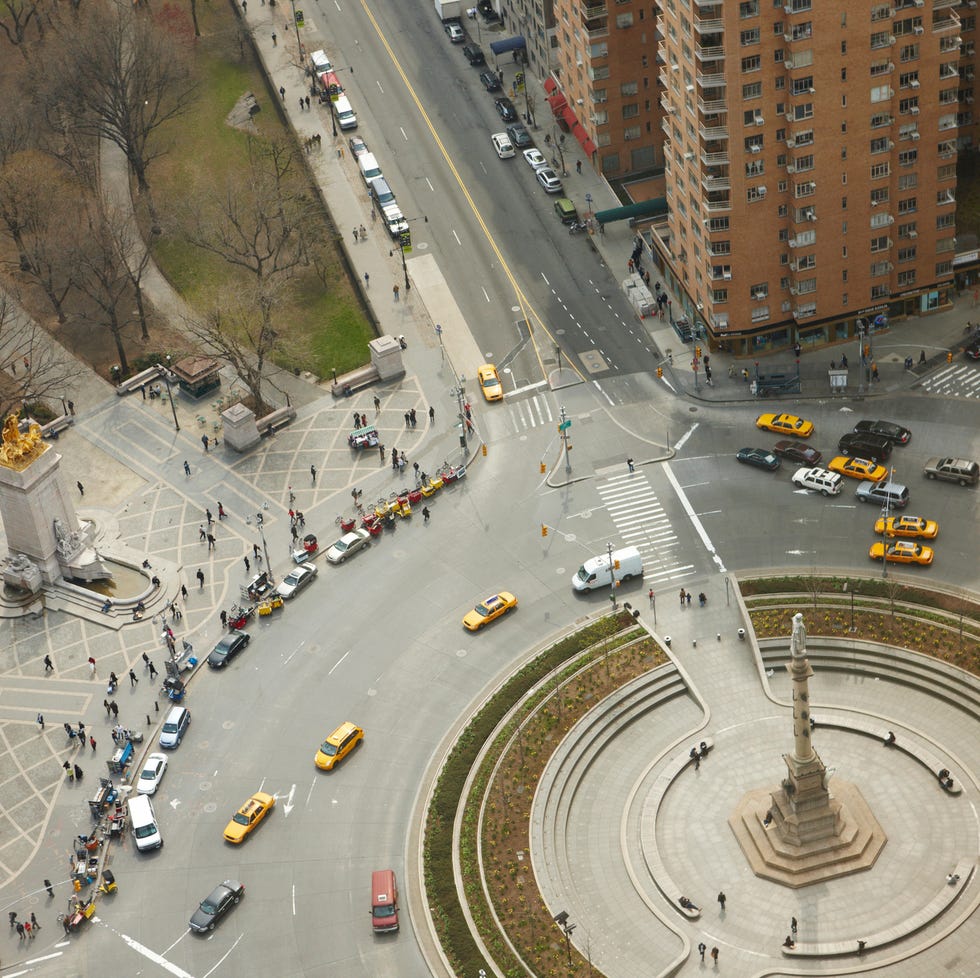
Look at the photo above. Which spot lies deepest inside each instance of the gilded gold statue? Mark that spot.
(17, 450)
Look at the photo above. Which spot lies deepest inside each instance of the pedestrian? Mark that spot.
(28, 930)
(91, 741)
(295, 533)
(202, 533)
(313, 473)
(115, 705)
(629, 465)
(183, 591)
(81, 731)
(105, 703)
(175, 612)
(248, 566)
(381, 452)
(688, 599)
(722, 898)
(187, 468)
(48, 887)
(702, 947)
(68, 770)
(301, 103)
(66, 923)
(20, 930)
(132, 679)
(153, 672)
(377, 405)
(143, 390)
(200, 578)
(425, 514)
(34, 924)
(683, 595)
(415, 466)
(209, 516)
(81, 488)
(256, 554)
(394, 459)
(408, 420)
(412, 418)
(224, 618)
(78, 773)
(91, 665)
(467, 411)
(714, 955)
(356, 236)
(71, 408)
(363, 233)
(244, 6)
(629, 266)
(792, 926)
(432, 414)
(211, 541)
(48, 664)
(13, 918)
(874, 377)
(307, 103)
(40, 720)
(469, 427)
(394, 291)
(221, 511)
(367, 281)
(205, 442)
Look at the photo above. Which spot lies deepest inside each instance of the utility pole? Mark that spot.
(612, 576)
(566, 423)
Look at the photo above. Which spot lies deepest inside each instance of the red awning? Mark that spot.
(568, 114)
(557, 102)
(583, 137)
(550, 85)
(589, 146)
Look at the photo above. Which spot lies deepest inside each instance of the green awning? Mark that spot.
(646, 208)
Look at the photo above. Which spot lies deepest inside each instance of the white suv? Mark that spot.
(819, 480)
(503, 145)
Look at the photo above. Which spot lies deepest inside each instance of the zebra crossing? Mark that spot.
(529, 412)
(641, 522)
(957, 380)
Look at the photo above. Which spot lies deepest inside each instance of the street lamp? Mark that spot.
(299, 43)
(170, 393)
(260, 523)
(561, 919)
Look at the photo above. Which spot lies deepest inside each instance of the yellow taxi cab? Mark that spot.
(338, 745)
(485, 612)
(907, 526)
(902, 552)
(858, 468)
(248, 816)
(493, 389)
(785, 424)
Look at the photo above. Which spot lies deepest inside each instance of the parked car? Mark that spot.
(154, 768)
(502, 145)
(519, 136)
(548, 180)
(505, 109)
(759, 457)
(534, 158)
(357, 146)
(348, 545)
(793, 451)
(491, 82)
(961, 470)
(227, 648)
(219, 901)
(886, 429)
(297, 579)
(474, 55)
(455, 33)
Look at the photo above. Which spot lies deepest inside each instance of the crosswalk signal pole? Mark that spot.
(564, 440)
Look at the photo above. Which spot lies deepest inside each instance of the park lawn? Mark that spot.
(201, 148)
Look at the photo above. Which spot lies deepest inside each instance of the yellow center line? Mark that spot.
(528, 311)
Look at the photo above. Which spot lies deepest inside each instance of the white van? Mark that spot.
(146, 832)
(369, 167)
(321, 63)
(626, 564)
(345, 113)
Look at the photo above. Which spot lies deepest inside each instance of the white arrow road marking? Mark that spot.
(287, 805)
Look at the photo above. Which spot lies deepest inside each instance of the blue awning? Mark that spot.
(510, 44)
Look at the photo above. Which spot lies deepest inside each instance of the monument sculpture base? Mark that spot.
(776, 852)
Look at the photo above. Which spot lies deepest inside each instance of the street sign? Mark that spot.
(565, 425)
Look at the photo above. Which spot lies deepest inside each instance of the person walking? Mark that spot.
(13, 919)
(91, 742)
(629, 465)
(40, 721)
(209, 516)
(367, 280)
(202, 533)
(28, 930)
(702, 947)
(132, 679)
(48, 664)
(381, 452)
(221, 511)
(108, 708)
(211, 541)
(34, 924)
(187, 468)
(363, 232)
(81, 488)
(313, 473)
(205, 442)
(248, 565)
(81, 732)
(425, 514)
(395, 290)
(432, 414)
(115, 705)
(275, 43)
(377, 405)
(153, 672)
(721, 900)
(79, 773)
(20, 930)
(200, 578)
(792, 927)
(91, 665)
(183, 591)
(714, 955)
(49, 888)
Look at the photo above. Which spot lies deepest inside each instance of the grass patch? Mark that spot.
(203, 151)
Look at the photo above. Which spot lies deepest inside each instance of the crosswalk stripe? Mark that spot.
(956, 380)
(529, 413)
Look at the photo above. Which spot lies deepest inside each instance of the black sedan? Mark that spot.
(794, 452)
(887, 429)
(505, 109)
(519, 136)
(221, 899)
(491, 82)
(227, 648)
(759, 457)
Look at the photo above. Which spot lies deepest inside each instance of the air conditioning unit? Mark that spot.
(792, 242)
(701, 306)
(913, 135)
(969, 100)
(788, 63)
(792, 266)
(811, 216)
(893, 40)
(760, 121)
(793, 290)
(689, 155)
(690, 88)
(762, 191)
(891, 144)
(913, 233)
(918, 30)
(920, 3)
(727, 276)
(790, 143)
(891, 220)
(675, 67)
(874, 203)
(891, 65)
(790, 168)
(914, 109)
(755, 149)
(812, 91)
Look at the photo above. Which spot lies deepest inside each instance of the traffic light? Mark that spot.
(483, 448)
(697, 352)
(544, 530)
(949, 357)
(616, 563)
(544, 468)
(660, 371)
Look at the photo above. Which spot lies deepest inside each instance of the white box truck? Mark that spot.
(449, 9)
(626, 564)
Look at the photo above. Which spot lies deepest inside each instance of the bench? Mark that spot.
(135, 382)
(54, 428)
(355, 380)
(917, 753)
(921, 918)
(275, 420)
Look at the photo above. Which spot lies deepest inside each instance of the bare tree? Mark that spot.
(125, 236)
(32, 366)
(123, 78)
(38, 211)
(236, 329)
(15, 18)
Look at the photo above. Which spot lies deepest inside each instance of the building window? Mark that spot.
(803, 85)
(879, 170)
(880, 39)
(880, 145)
(907, 278)
(879, 196)
(910, 52)
(753, 63)
(908, 181)
(944, 268)
(944, 221)
(908, 79)
(881, 12)
(908, 157)
(753, 90)
(759, 291)
(880, 93)
(750, 9)
(747, 38)
(907, 105)
(945, 244)
(755, 193)
(632, 132)
(879, 268)
(804, 190)
(624, 20)
(804, 111)
(760, 313)
(806, 285)
(719, 295)
(880, 243)
(908, 230)
(626, 89)
(631, 110)
(806, 262)
(879, 292)
(880, 68)
(906, 255)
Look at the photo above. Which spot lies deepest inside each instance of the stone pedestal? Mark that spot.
(240, 431)
(386, 356)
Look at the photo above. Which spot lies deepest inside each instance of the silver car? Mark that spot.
(347, 545)
(549, 180)
(296, 580)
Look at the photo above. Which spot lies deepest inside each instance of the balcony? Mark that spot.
(708, 26)
(716, 53)
(595, 35)
(947, 25)
(713, 183)
(716, 206)
(713, 107)
(712, 81)
(590, 11)
(715, 132)
(798, 34)
(804, 312)
(714, 158)
(939, 4)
